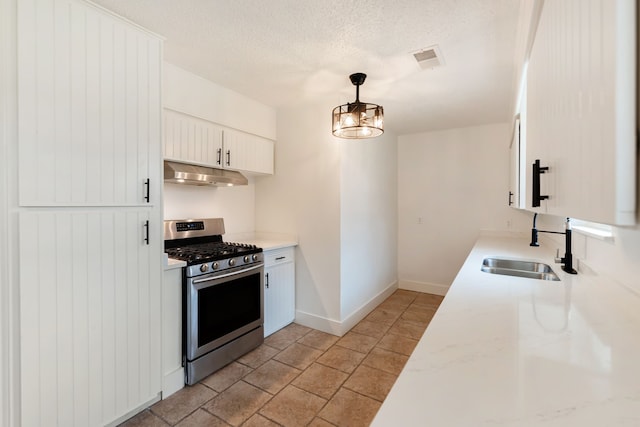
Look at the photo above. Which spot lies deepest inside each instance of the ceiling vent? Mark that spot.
(429, 57)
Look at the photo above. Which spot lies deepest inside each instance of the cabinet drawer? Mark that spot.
(279, 256)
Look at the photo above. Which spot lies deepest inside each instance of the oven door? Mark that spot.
(221, 307)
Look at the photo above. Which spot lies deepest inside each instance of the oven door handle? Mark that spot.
(222, 276)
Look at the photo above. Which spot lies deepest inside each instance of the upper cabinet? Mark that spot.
(515, 199)
(581, 111)
(89, 107)
(189, 139)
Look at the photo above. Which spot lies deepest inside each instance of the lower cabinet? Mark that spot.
(172, 370)
(280, 289)
(90, 336)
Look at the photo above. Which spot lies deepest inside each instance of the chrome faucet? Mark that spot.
(567, 260)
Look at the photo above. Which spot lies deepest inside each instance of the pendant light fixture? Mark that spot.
(358, 120)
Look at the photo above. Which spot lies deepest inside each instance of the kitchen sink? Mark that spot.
(519, 268)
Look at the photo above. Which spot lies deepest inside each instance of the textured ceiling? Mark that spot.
(284, 52)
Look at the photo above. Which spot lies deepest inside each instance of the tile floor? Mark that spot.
(304, 377)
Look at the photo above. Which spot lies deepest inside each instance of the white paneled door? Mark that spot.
(280, 289)
(191, 140)
(90, 213)
(90, 316)
(89, 106)
(581, 110)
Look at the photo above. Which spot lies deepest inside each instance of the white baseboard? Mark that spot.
(172, 382)
(340, 328)
(320, 323)
(424, 287)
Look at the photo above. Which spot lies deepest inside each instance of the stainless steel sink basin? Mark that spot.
(519, 268)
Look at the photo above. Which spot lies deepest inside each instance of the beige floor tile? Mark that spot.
(298, 355)
(384, 315)
(372, 329)
(357, 342)
(237, 403)
(341, 358)
(144, 419)
(319, 340)
(293, 407)
(319, 422)
(398, 344)
(258, 356)
(408, 329)
(286, 336)
(395, 305)
(421, 315)
(428, 300)
(183, 402)
(371, 382)
(385, 360)
(201, 418)
(258, 420)
(272, 376)
(227, 376)
(350, 409)
(321, 380)
(402, 296)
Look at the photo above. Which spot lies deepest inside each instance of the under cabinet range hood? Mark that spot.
(183, 173)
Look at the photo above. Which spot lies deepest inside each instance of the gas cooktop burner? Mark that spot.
(214, 251)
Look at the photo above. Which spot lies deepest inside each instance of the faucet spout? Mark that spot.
(567, 260)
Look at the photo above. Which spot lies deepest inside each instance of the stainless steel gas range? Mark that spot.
(222, 296)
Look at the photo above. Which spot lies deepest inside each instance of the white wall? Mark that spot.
(369, 221)
(303, 199)
(339, 198)
(192, 94)
(235, 204)
(618, 259)
(451, 185)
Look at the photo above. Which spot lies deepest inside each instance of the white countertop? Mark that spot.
(270, 244)
(171, 263)
(508, 351)
(266, 241)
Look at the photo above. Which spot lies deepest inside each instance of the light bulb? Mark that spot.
(348, 120)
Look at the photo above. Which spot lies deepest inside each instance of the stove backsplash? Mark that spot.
(235, 204)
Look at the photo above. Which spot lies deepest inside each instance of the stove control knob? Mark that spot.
(232, 262)
(246, 258)
(254, 257)
(215, 265)
(204, 267)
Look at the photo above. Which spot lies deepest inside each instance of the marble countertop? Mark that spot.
(510, 351)
(171, 263)
(270, 244)
(266, 241)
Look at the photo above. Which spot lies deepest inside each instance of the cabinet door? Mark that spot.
(581, 109)
(246, 152)
(189, 139)
(90, 289)
(88, 106)
(514, 167)
(279, 294)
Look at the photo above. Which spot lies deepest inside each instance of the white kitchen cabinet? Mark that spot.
(246, 152)
(88, 107)
(280, 289)
(90, 214)
(189, 139)
(581, 110)
(515, 176)
(89, 315)
(172, 370)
